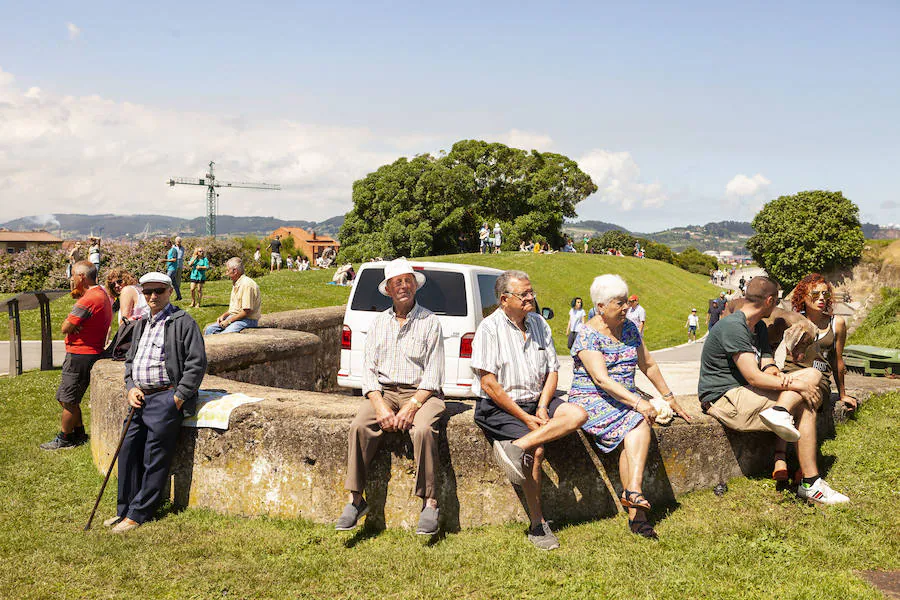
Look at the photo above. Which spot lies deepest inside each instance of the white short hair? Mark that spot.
(607, 287)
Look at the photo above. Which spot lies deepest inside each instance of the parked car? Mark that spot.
(461, 296)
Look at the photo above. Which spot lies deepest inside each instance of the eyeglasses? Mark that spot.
(523, 297)
(823, 293)
(158, 291)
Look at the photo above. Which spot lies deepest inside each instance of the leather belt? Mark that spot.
(156, 390)
(705, 406)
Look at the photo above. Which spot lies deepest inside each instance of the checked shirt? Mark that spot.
(149, 368)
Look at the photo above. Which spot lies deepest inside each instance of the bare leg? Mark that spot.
(532, 488)
(71, 417)
(633, 459)
(567, 418)
(806, 445)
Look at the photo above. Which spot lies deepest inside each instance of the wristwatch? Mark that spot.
(415, 402)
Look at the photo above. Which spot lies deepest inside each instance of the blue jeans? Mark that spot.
(234, 327)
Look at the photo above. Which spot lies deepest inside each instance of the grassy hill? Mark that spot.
(666, 292)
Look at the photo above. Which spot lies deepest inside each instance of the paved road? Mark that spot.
(31, 355)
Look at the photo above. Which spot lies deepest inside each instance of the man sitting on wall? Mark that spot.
(403, 371)
(244, 306)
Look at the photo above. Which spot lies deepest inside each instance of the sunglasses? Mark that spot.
(158, 291)
(823, 293)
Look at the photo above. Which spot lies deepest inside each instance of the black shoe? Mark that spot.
(81, 437)
(60, 442)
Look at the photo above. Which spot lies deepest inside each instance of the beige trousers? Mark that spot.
(365, 438)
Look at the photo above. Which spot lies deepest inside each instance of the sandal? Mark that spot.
(631, 499)
(780, 474)
(643, 528)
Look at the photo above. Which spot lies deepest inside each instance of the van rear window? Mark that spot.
(444, 293)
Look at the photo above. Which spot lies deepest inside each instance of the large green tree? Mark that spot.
(813, 231)
(430, 205)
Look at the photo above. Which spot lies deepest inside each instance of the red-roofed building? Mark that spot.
(19, 241)
(311, 244)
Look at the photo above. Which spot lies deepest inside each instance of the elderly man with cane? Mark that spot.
(163, 371)
(402, 379)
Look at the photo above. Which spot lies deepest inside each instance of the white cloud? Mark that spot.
(617, 177)
(524, 140)
(74, 31)
(747, 195)
(742, 186)
(94, 155)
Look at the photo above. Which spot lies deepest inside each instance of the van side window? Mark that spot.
(444, 293)
(489, 302)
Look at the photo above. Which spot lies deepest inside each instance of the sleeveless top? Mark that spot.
(141, 308)
(820, 355)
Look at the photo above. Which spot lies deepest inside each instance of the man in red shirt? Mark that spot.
(85, 328)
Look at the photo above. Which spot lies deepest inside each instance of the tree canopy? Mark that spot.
(430, 205)
(812, 231)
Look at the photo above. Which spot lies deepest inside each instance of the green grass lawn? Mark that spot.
(754, 542)
(666, 292)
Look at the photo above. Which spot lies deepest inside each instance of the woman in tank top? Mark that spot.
(123, 288)
(813, 297)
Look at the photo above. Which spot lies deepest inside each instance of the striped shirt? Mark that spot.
(521, 364)
(410, 355)
(149, 367)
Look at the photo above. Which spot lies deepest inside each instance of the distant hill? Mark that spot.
(124, 226)
(724, 235)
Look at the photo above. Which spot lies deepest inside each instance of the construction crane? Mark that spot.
(212, 195)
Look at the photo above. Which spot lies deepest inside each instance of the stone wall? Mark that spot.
(326, 324)
(295, 349)
(286, 457)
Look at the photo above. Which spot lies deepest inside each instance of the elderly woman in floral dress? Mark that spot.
(606, 352)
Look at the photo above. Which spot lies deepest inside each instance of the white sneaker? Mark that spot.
(820, 492)
(781, 422)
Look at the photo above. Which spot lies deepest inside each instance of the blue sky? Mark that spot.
(681, 112)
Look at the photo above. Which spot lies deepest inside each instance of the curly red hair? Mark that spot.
(798, 300)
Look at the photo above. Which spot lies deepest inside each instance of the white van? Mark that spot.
(461, 296)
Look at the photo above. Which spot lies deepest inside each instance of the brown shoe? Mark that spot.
(125, 525)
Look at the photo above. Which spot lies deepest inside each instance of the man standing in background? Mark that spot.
(174, 265)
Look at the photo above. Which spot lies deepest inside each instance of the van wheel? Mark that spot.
(357, 392)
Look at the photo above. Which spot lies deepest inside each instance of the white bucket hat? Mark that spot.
(399, 266)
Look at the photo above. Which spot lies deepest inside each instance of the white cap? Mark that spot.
(399, 266)
(156, 277)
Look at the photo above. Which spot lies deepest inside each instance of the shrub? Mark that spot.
(694, 261)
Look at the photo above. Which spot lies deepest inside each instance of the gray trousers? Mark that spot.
(365, 438)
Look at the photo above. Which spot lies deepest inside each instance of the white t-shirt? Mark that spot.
(693, 320)
(575, 317)
(637, 315)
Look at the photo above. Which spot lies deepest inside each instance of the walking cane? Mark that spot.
(111, 463)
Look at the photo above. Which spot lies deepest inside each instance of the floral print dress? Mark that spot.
(608, 419)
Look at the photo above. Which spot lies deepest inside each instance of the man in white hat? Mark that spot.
(403, 372)
(163, 370)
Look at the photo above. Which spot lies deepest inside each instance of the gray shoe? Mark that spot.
(428, 521)
(351, 516)
(545, 539)
(511, 459)
(60, 442)
(112, 521)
